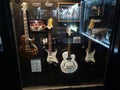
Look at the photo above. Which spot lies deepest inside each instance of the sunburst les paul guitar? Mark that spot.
(28, 49)
(89, 52)
(68, 64)
(51, 58)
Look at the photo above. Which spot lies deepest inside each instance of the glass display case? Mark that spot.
(97, 19)
(46, 44)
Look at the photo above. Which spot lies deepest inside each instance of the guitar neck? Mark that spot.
(49, 40)
(90, 27)
(69, 47)
(25, 23)
(89, 45)
(50, 26)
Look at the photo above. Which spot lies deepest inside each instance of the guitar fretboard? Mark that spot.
(25, 24)
(89, 45)
(50, 26)
(69, 47)
(49, 41)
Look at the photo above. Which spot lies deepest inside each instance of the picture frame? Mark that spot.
(68, 12)
(37, 24)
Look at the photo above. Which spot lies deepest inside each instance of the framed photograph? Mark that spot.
(37, 24)
(68, 12)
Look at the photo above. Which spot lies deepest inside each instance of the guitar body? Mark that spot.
(28, 49)
(52, 56)
(68, 65)
(90, 56)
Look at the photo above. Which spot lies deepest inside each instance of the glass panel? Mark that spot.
(98, 16)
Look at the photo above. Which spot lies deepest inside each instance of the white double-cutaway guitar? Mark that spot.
(90, 53)
(51, 58)
(68, 64)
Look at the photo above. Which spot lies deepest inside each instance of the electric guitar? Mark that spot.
(28, 49)
(90, 53)
(51, 58)
(68, 64)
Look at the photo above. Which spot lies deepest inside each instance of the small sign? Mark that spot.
(36, 65)
(77, 39)
(1, 46)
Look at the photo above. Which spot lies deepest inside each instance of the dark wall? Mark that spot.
(112, 74)
(9, 67)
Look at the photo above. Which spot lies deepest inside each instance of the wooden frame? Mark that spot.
(68, 12)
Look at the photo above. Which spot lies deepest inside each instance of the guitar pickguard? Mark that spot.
(52, 56)
(90, 56)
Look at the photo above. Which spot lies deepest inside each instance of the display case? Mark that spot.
(50, 41)
(97, 18)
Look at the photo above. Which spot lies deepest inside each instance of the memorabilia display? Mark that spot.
(59, 44)
(62, 39)
(37, 25)
(28, 49)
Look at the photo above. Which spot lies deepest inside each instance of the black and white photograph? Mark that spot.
(68, 12)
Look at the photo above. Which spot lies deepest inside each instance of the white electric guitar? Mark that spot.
(51, 58)
(68, 64)
(90, 54)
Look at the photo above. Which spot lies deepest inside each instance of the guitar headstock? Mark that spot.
(24, 6)
(91, 24)
(68, 31)
(50, 23)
